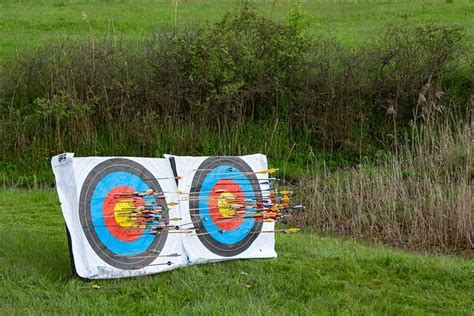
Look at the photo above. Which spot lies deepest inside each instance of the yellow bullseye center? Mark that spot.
(224, 203)
(122, 214)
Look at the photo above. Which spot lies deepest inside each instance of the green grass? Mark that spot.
(314, 273)
(27, 24)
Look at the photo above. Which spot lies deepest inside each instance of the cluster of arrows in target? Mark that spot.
(136, 213)
(131, 211)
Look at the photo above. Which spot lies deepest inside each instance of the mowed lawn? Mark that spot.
(26, 24)
(314, 273)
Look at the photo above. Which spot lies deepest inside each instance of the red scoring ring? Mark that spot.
(226, 223)
(113, 197)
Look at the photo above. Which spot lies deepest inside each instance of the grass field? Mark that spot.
(314, 273)
(28, 23)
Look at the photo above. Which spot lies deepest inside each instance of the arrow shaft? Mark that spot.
(159, 256)
(251, 232)
(233, 170)
(160, 264)
(225, 219)
(264, 191)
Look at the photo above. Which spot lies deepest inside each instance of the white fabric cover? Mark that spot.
(264, 244)
(70, 174)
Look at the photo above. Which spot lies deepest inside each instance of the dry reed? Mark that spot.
(420, 198)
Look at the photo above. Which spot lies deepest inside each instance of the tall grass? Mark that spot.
(419, 198)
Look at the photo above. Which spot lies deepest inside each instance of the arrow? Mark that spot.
(160, 264)
(160, 256)
(137, 253)
(270, 191)
(164, 178)
(235, 179)
(280, 231)
(235, 206)
(223, 219)
(169, 230)
(245, 219)
(135, 197)
(133, 216)
(231, 169)
(191, 230)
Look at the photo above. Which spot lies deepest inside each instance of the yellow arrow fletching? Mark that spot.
(293, 230)
(271, 170)
(174, 219)
(172, 204)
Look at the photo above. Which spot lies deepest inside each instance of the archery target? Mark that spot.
(102, 212)
(218, 182)
(107, 241)
(219, 196)
(209, 203)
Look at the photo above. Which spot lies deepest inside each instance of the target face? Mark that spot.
(218, 185)
(104, 211)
